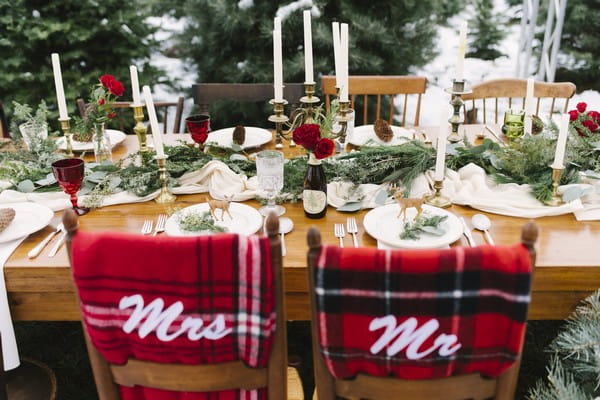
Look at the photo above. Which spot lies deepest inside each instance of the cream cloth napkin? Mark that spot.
(9, 342)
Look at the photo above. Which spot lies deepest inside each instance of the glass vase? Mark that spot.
(102, 149)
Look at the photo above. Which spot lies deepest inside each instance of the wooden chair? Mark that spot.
(379, 86)
(509, 89)
(3, 124)
(471, 386)
(127, 120)
(207, 377)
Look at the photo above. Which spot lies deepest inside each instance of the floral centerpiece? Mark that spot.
(586, 123)
(309, 136)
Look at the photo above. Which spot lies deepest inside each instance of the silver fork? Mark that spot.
(338, 230)
(160, 224)
(352, 229)
(147, 227)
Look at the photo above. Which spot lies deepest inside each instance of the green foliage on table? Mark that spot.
(195, 221)
(423, 224)
(486, 30)
(574, 372)
(92, 38)
(24, 114)
(227, 42)
(30, 170)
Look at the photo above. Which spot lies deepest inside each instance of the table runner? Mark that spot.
(10, 352)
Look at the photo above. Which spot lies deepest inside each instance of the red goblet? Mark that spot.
(69, 174)
(198, 126)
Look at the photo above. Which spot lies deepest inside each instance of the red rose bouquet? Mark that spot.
(309, 136)
(586, 123)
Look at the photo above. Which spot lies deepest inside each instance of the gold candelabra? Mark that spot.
(65, 125)
(556, 199)
(165, 196)
(437, 199)
(140, 128)
(457, 91)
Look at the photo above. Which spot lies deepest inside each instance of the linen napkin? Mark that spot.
(9, 342)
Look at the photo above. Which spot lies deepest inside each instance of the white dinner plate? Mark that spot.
(364, 135)
(255, 137)
(114, 136)
(245, 220)
(29, 218)
(383, 224)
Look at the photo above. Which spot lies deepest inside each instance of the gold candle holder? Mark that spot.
(556, 199)
(65, 125)
(342, 119)
(140, 128)
(437, 199)
(458, 89)
(279, 118)
(165, 196)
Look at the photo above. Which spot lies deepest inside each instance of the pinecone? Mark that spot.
(239, 135)
(383, 130)
(6, 217)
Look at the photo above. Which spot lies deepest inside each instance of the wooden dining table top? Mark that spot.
(567, 267)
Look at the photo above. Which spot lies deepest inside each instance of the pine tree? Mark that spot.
(486, 32)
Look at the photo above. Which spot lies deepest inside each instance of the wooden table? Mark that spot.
(567, 270)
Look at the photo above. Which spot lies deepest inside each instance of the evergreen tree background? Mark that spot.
(92, 38)
(486, 31)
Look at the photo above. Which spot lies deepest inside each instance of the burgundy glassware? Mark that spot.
(69, 174)
(198, 126)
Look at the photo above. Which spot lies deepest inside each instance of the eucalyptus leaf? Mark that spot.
(574, 193)
(85, 189)
(351, 206)
(96, 176)
(433, 230)
(114, 182)
(236, 147)
(237, 157)
(48, 180)
(26, 186)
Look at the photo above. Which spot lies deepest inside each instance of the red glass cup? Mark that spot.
(198, 126)
(69, 174)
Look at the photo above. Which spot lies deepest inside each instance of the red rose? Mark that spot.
(581, 106)
(101, 102)
(307, 135)
(324, 148)
(111, 115)
(594, 128)
(595, 115)
(116, 88)
(588, 123)
(573, 115)
(106, 80)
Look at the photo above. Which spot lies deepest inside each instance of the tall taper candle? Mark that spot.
(156, 133)
(529, 106)
(561, 143)
(335, 27)
(135, 85)
(344, 43)
(277, 66)
(440, 158)
(276, 24)
(308, 53)
(60, 91)
(462, 47)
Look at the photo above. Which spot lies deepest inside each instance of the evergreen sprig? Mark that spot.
(194, 221)
(423, 224)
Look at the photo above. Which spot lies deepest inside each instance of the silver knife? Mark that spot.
(467, 233)
(57, 245)
(38, 249)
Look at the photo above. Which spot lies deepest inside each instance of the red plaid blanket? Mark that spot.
(421, 314)
(194, 300)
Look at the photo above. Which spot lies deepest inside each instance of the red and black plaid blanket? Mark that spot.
(421, 314)
(200, 300)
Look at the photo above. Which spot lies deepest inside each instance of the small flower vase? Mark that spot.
(102, 149)
(314, 196)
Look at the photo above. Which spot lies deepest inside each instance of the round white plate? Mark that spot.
(114, 136)
(364, 135)
(246, 220)
(255, 137)
(29, 218)
(384, 225)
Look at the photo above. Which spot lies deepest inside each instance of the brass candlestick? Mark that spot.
(437, 199)
(65, 125)
(458, 89)
(556, 199)
(165, 196)
(342, 120)
(279, 118)
(140, 128)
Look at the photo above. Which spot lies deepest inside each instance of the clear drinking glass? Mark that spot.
(269, 170)
(33, 134)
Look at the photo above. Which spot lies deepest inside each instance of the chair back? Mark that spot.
(209, 290)
(504, 94)
(126, 119)
(3, 125)
(386, 86)
(419, 324)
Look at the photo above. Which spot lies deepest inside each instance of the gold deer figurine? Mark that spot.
(222, 205)
(406, 203)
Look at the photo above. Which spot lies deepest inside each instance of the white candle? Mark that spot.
(344, 43)
(276, 24)
(60, 91)
(156, 134)
(277, 66)
(135, 85)
(462, 47)
(336, 51)
(440, 158)
(308, 55)
(529, 106)
(561, 143)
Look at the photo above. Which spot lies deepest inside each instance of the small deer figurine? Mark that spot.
(222, 205)
(406, 203)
